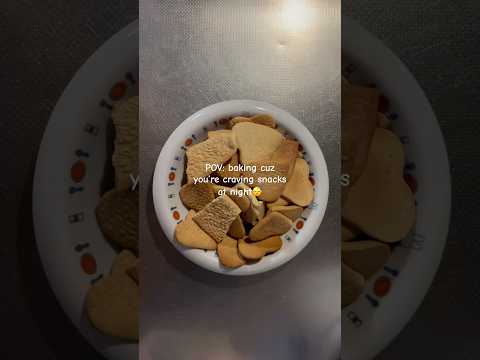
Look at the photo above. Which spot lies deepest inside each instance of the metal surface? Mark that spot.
(197, 53)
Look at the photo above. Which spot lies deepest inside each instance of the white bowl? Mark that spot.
(170, 168)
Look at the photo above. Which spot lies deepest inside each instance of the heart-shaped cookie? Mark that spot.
(256, 142)
(112, 303)
(381, 203)
(299, 189)
(228, 253)
(189, 234)
(271, 225)
(365, 257)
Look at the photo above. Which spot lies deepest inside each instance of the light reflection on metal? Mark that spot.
(296, 16)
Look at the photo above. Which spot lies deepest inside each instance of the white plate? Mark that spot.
(68, 173)
(392, 295)
(170, 166)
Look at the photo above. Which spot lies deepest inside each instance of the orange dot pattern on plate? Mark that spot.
(299, 225)
(188, 142)
(88, 263)
(171, 176)
(382, 286)
(176, 215)
(78, 171)
(118, 90)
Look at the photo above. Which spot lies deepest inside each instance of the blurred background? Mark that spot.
(44, 43)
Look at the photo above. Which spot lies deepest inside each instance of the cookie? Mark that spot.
(189, 234)
(256, 142)
(216, 133)
(242, 201)
(250, 251)
(365, 257)
(112, 304)
(280, 165)
(230, 164)
(256, 210)
(228, 253)
(359, 120)
(216, 150)
(352, 285)
(126, 262)
(196, 196)
(215, 218)
(271, 225)
(271, 244)
(237, 229)
(257, 250)
(299, 189)
(125, 154)
(381, 203)
(293, 212)
(260, 119)
(123, 261)
(279, 202)
(117, 217)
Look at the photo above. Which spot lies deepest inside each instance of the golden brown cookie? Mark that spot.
(293, 212)
(256, 142)
(242, 201)
(237, 230)
(189, 234)
(123, 261)
(381, 203)
(256, 250)
(359, 120)
(260, 119)
(250, 251)
(271, 225)
(117, 217)
(226, 172)
(299, 189)
(215, 218)
(196, 196)
(279, 202)
(271, 244)
(112, 304)
(216, 150)
(365, 257)
(279, 166)
(228, 253)
(256, 210)
(125, 154)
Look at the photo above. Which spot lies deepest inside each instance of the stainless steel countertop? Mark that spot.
(191, 58)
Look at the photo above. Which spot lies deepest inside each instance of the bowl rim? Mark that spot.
(220, 110)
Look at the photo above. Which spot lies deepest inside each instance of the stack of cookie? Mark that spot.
(378, 205)
(241, 225)
(112, 302)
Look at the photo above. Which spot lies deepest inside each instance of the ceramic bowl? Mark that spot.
(169, 173)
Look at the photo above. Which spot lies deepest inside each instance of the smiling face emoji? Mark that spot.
(256, 191)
